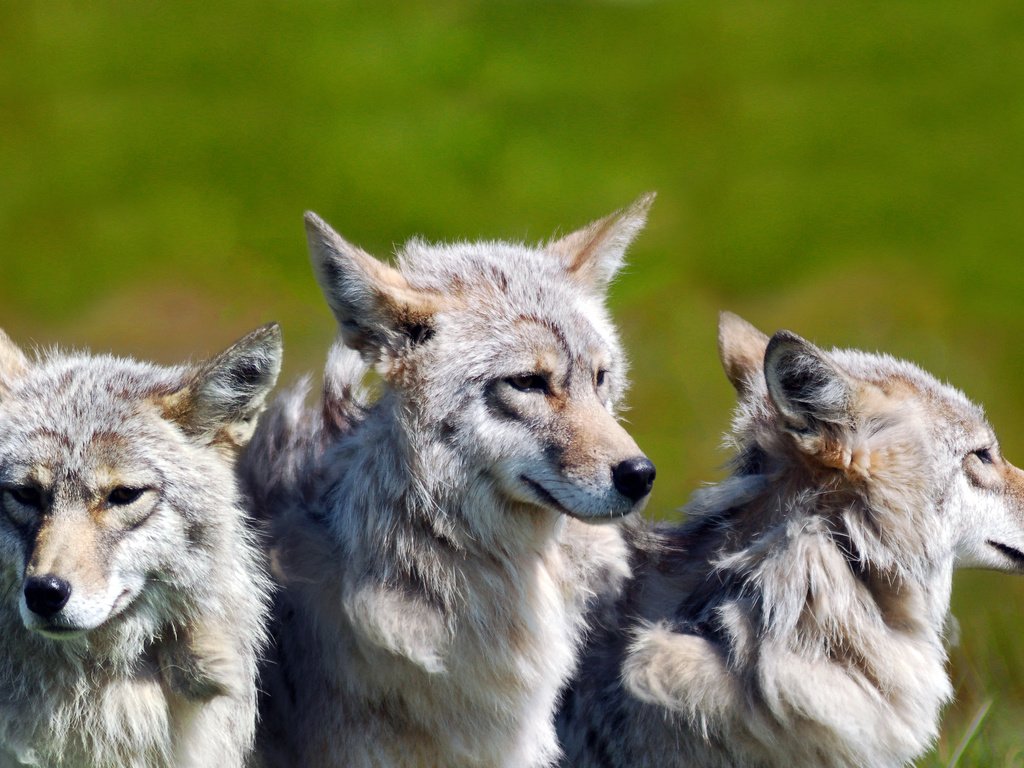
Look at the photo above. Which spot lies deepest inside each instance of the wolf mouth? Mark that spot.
(120, 602)
(58, 632)
(1011, 552)
(545, 496)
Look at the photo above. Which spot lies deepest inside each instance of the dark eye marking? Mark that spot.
(985, 455)
(600, 377)
(1012, 553)
(530, 382)
(26, 495)
(122, 496)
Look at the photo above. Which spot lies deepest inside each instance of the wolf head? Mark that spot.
(111, 476)
(502, 359)
(912, 465)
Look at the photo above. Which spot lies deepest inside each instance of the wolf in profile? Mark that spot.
(133, 596)
(797, 618)
(436, 547)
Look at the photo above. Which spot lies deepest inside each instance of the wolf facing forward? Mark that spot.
(436, 548)
(132, 595)
(798, 617)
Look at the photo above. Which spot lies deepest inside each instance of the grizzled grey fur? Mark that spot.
(798, 618)
(436, 546)
(133, 596)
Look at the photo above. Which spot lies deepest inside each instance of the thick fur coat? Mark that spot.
(133, 596)
(436, 547)
(798, 618)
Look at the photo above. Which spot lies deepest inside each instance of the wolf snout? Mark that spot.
(634, 477)
(46, 595)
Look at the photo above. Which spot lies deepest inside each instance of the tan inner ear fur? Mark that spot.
(393, 299)
(582, 251)
(13, 363)
(175, 406)
(400, 308)
(395, 304)
(395, 295)
(180, 407)
(857, 455)
(741, 349)
(580, 248)
(406, 306)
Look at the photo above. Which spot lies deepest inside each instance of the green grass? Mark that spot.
(852, 171)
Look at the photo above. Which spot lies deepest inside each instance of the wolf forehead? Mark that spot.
(472, 272)
(74, 397)
(894, 375)
(518, 288)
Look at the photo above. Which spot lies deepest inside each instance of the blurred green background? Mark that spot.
(851, 171)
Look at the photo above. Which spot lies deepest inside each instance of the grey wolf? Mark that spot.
(798, 617)
(133, 595)
(435, 547)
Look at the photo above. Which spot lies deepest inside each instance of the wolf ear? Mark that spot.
(813, 397)
(13, 363)
(374, 304)
(741, 348)
(595, 253)
(223, 396)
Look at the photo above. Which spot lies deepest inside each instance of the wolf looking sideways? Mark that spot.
(132, 596)
(797, 618)
(436, 554)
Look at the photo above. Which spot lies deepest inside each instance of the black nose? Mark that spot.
(634, 477)
(46, 595)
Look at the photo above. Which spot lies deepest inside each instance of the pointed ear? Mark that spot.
(224, 396)
(741, 348)
(13, 363)
(814, 397)
(595, 253)
(375, 306)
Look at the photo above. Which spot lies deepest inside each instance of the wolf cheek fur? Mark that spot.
(798, 617)
(436, 548)
(132, 593)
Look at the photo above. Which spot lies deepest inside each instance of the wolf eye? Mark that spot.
(22, 503)
(27, 495)
(122, 496)
(985, 454)
(600, 376)
(529, 382)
